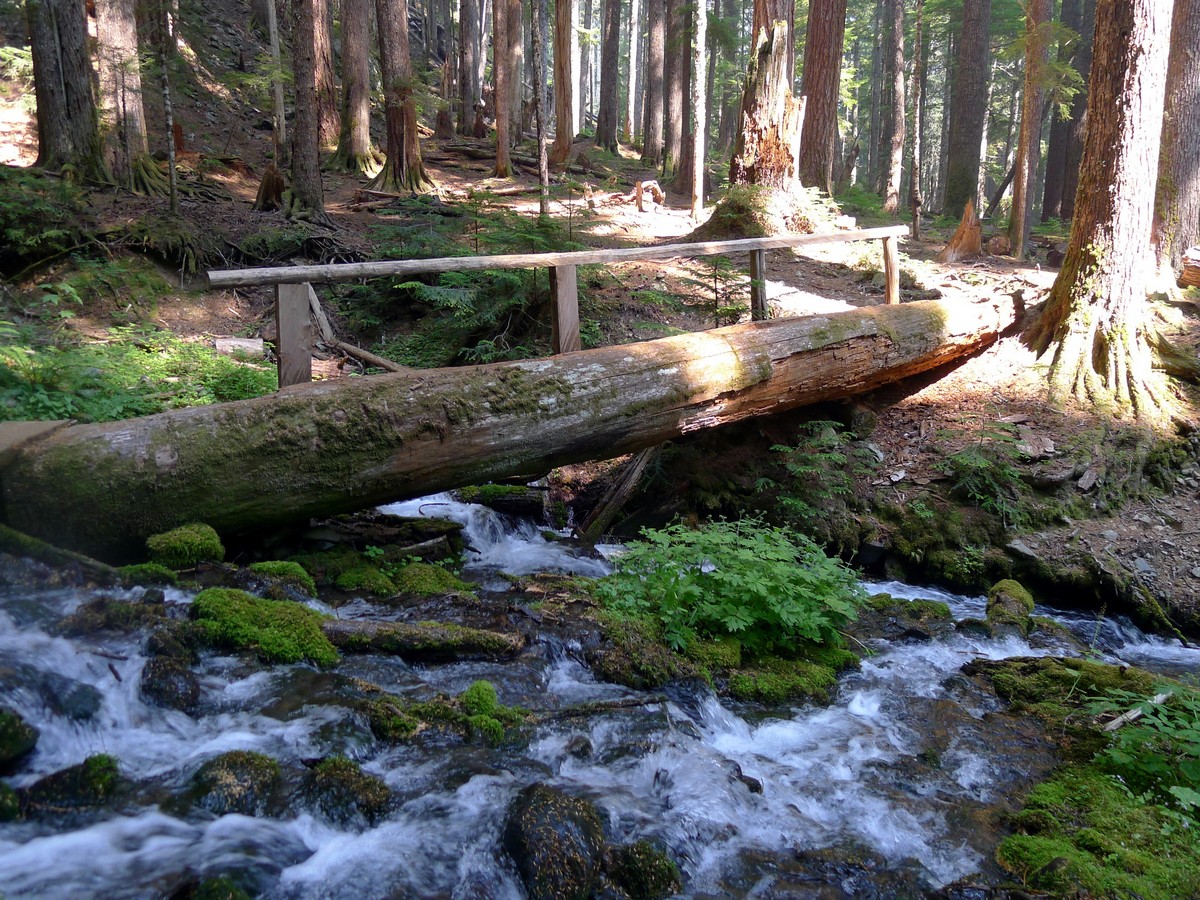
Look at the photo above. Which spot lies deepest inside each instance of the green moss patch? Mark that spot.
(17, 738)
(91, 783)
(287, 572)
(774, 681)
(278, 631)
(342, 791)
(240, 781)
(366, 578)
(1008, 603)
(147, 573)
(476, 713)
(645, 871)
(185, 546)
(487, 494)
(424, 579)
(634, 655)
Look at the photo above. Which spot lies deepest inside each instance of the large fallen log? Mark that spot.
(336, 446)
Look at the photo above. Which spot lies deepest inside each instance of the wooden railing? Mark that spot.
(293, 283)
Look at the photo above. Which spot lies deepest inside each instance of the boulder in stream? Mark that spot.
(644, 871)
(1009, 607)
(17, 739)
(344, 793)
(557, 843)
(167, 681)
(90, 783)
(239, 781)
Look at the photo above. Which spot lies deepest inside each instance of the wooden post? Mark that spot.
(758, 285)
(564, 327)
(294, 326)
(891, 269)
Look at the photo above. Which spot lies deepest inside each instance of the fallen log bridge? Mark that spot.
(338, 446)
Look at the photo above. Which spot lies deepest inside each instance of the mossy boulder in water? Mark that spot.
(167, 681)
(774, 681)
(91, 783)
(108, 614)
(239, 781)
(278, 631)
(644, 871)
(17, 739)
(427, 580)
(147, 573)
(1009, 607)
(344, 793)
(477, 713)
(556, 842)
(366, 578)
(286, 572)
(10, 804)
(185, 546)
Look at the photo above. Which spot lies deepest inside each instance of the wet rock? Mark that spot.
(176, 641)
(17, 739)
(10, 804)
(345, 794)
(1196, 572)
(1009, 607)
(221, 887)
(108, 614)
(167, 681)
(240, 781)
(580, 747)
(556, 842)
(644, 871)
(846, 872)
(17, 571)
(61, 695)
(91, 783)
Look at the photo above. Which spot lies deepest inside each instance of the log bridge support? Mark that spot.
(293, 283)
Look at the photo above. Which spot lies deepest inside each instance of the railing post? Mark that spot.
(293, 327)
(891, 269)
(758, 285)
(564, 292)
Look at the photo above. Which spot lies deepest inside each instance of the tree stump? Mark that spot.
(967, 240)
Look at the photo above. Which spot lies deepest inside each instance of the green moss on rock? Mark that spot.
(108, 614)
(10, 804)
(220, 888)
(476, 713)
(774, 681)
(487, 494)
(645, 871)
(1009, 604)
(288, 572)
(480, 699)
(367, 578)
(185, 546)
(424, 579)
(278, 631)
(240, 781)
(143, 574)
(718, 654)
(17, 738)
(634, 655)
(343, 792)
(91, 783)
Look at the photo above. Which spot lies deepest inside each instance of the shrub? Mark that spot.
(771, 587)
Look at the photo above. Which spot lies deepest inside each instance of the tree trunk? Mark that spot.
(328, 119)
(1078, 111)
(355, 151)
(120, 87)
(699, 119)
(914, 172)
(278, 111)
(674, 79)
(563, 101)
(516, 71)
(1037, 58)
(541, 33)
(630, 127)
(404, 170)
(307, 199)
(1177, 206)
(470, 38)
(1096, 309)
(652, 123)
(1056, 149)
(821, 85)
(610, 71)
(968, 111)
(891, 194)
(501, 91)
(330, 447)
(585, 67)
(766, 149)
(68, 129)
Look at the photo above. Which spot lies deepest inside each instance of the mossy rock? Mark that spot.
(10, 804)
(477, 713)
(221, 887)
(108, 614)
(1009, 606)
(718, 654)
(176, 640)
(167, 681)
(426, 580)
(776, 681)
(143, 574)
(645, 871)
(240, 781)
(278, 631)
(185, 546)
(286, 572)
(364, 577)
(91, 783)
(556, 842)
(1083, 833)
(634, 655)
(326, 565)
(17, 739)
(344, 793)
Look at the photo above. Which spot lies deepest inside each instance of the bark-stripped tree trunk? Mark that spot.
(403, 170)
(914, 174)
(307, 197)
(766, 149)
(968, 110)
(699, 118)
(166, 45)
(328, 119)
(674, 79)
(632, 119)
(895, 159)
(610, 71)
(1177, 206)
(1056, 148)
(563, 100)
(501, 90)
(68, 125)
(470, 39)
(1037, 57)
(121, 89)
(355, 151)
(540, 35)
(652, 123)
(821, 84)
(335, 446)
(1078, 111)
(1095, 313)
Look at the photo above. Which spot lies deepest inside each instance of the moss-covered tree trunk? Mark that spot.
(1095, 314)
(335, 446)
(404, 169)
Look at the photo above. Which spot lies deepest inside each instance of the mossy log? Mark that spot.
(341, 445)
(420, 640)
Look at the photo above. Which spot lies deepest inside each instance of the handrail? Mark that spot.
(229, 278)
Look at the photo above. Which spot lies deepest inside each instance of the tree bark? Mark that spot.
(586, 100)
(699, 118)
(120, 86)
(610, 71)
(968, 110)
(1056, 149)
(674, 79)
(501, 90)
(330, 447)
(1078, 111)
(355, 151)
(632, 119)
(67, 121)
(652, 123)
(540, 34)
(891, 194)
(516, 72)
(328, 119)
(914, 174)
(404, 170)
(307, 194)
(1177, 206)
(564, 134)
(470, 38)
(1037, 57)
(821, 84)
(1095, 312)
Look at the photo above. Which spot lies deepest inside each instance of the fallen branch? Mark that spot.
(1137, 712)
(424, 640)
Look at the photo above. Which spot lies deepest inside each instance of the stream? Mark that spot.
(900, 769)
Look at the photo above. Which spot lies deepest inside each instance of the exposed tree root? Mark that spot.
(294, 210)
(369, 164)
(1174, 360)
(411, 178)
(146, 177)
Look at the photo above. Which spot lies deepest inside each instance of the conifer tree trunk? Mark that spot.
(652, 123)
(470, 37)
(540, 34)
(563, 99)
(1096, 311)
(1083, 65)
(822, 81)
(403, 170)
(516, 72)
(355, 151)
(632, 119)
(1037, 57)
(328, 119)
(891, 197)
(68, 124)
(307, 200)
(674, 78)
(610, 62)
(1056, 148)
(968, 110)
(501, 90)
(586, 99)
(120, 87)
(1177, 207)
(699, 116)
(914, 172)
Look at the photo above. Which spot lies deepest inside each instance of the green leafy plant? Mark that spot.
(771, 587)
(984, 473)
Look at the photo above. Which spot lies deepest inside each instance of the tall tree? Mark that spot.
(610, 72)
(355, 152)
(587, 100)
(632, 124)
(968, 110)
(1083, 65)
(674, 79)
(540, 34)
(563, 99)
(326, 96)
(699, 118)
(68, 126)
(470, 41)
(516, 70)
(895, 130)
(501, 90)
(307, 196)
(1095, 312)
(1056, 149)
(1177, 206)
(652, 122)
(920, 49)
(820, 84)
(120, 87)
(1037, 57)
(404, 169)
